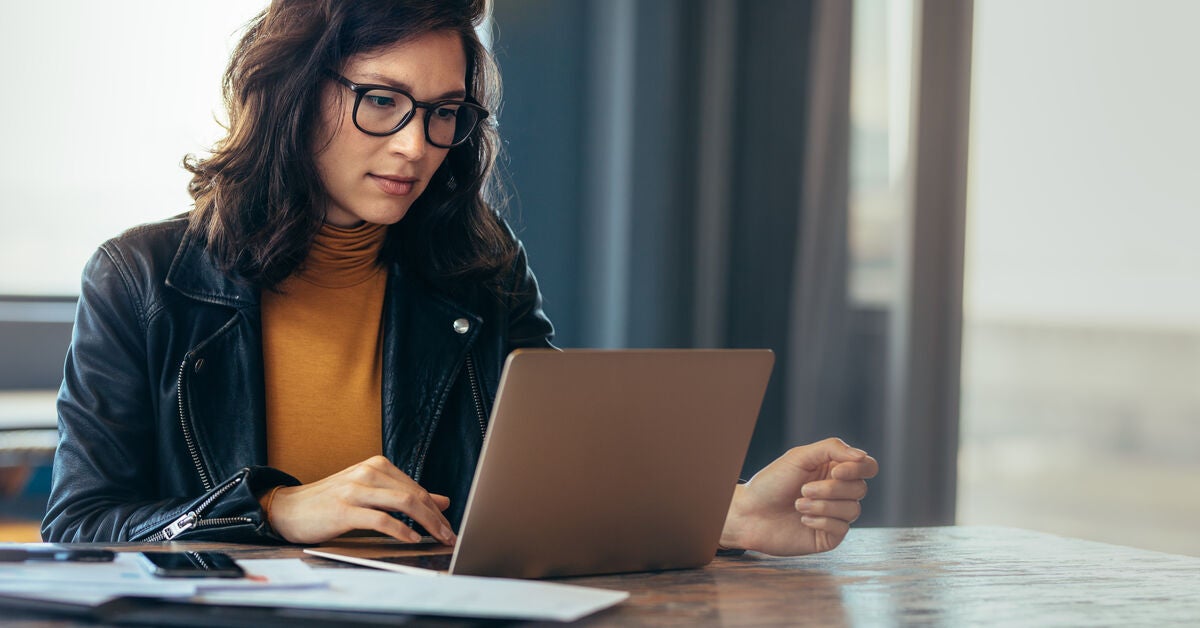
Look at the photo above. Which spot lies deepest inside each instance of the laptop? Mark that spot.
(603, 461)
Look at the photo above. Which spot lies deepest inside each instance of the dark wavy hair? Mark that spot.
(258, 196)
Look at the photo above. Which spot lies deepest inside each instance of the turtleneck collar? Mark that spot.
(343, 257)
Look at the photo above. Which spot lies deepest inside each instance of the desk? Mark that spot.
(951, 576)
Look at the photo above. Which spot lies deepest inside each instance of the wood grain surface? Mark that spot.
(950, 576)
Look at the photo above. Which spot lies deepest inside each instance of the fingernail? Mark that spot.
(856, 450)
(804, 505)
(806, 491)
(446, 535)
(808, 520)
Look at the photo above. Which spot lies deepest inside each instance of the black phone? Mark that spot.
(191, 565)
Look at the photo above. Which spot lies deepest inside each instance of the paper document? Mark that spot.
(292, 583)
(94, 583)
(460, 596)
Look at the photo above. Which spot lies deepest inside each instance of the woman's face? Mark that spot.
(376, 179)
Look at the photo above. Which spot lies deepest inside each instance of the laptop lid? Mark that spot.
(609, 461)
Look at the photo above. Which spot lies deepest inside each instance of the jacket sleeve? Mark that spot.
(104, 486)
(528, 326)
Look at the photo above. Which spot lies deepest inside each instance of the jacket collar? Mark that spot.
(195, 274)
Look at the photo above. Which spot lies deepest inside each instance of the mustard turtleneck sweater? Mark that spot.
(323, 356)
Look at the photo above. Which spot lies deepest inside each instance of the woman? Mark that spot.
(313, 346)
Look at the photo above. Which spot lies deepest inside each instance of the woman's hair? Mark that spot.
(259, 197)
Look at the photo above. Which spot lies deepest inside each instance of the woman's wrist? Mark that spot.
(266, 500)
(730, 542)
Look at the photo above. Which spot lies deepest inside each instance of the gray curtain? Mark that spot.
(662, 153)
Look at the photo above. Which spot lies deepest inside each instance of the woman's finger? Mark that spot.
(864, 469)
(440, 501)
(419, 504)
(829, 525)
(847, 510)
(382, 522)
(834, 489)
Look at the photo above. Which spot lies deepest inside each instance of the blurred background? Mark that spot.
(965, 228)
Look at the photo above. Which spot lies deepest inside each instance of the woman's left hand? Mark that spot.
(802, 503)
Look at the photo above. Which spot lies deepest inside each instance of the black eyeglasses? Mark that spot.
(380, 110)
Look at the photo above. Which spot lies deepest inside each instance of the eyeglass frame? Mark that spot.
(361, 89)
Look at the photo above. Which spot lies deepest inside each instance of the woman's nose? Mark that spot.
(410, 141)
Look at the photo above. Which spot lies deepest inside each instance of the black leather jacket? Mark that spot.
(162, 413)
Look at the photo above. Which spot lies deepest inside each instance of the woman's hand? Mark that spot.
(359, 498)
(802, 503)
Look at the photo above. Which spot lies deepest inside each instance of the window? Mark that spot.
(1081, 363)
(880, 160)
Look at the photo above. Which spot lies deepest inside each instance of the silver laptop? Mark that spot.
(607, 461)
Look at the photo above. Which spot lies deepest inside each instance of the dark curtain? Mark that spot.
(680, 176)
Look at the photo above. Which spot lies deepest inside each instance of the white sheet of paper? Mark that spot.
(96, 583)
(267, 574)
(460, 596)
(125, 569)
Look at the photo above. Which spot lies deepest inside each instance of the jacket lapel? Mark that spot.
(426, 340)
(221, 377)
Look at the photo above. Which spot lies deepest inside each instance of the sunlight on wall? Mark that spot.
(1080, 403)
(101, 106)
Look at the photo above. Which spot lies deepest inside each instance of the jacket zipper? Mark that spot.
(185, 425)
(477, 395)
(192, 518)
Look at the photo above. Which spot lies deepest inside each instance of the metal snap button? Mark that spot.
(462, 325)
(199, 365)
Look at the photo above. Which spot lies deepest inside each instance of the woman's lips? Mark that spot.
(395, 186)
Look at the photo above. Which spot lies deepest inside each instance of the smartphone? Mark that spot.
(191, 565)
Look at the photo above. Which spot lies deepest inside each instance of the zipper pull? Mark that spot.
(180, 525)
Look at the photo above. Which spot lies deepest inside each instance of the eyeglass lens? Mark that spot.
(382, 111)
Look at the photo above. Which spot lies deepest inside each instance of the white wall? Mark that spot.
(1081, 348)
(1085, 162)
(101, 100)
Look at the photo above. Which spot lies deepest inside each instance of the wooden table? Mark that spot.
(953, 576)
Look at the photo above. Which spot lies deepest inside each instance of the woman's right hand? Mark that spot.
(359, 498)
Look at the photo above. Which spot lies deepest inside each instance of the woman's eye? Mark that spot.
(376, 100)
(446, 113)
